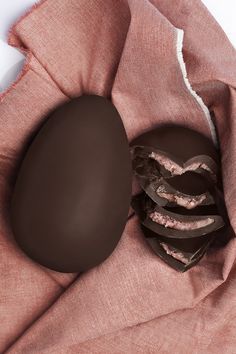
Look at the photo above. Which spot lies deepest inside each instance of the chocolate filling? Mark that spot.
(181, 204)
(175, 168)
(168, 221)
(184, 200)
(159, 175)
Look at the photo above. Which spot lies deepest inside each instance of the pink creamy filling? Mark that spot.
(177, 255)
(188, 202)
(174, 168)
(170, 222)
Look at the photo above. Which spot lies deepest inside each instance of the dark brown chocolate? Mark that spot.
(191, 249)
(181, 142)
(188, 258)
(72, 194)
(157, 182)
(181, 208)
(181, 226)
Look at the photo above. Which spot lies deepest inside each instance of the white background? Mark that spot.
(11, 61)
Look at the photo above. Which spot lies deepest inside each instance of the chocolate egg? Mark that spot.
(72, 194)
(181, 208)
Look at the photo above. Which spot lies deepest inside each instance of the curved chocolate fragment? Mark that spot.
(176, 223)
(139, 204)
(191, 257)
(151, 190)
(203, 164)
(153, 176)
(168, 166)
(199, 210)
(65, 212)
(180, 226)
(177, 167)
(143, 155)
(189, 183)
(163, 194)
(167, 161)
(173, 196)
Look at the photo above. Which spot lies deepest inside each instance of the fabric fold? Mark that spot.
(27, 290)
(82, 65)
(126, 50)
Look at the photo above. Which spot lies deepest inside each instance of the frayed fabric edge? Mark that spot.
(179, 47)
(26, 52)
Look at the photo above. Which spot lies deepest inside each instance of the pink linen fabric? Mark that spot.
(129, 51)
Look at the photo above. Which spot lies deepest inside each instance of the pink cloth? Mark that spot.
(129, 50)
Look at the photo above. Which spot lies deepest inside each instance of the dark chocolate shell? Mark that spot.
(181, 208)
(179, 141)
(72, 195)
(152, 176)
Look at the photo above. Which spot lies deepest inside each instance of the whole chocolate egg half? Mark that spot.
(181, 208)
(72, 194)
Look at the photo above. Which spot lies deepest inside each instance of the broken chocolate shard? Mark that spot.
(157, 176)
(164, 190)
(163, 193)
(181, 142)
(190, 258)
(173, 225)
(177, 228)
(195, 247)
(203, 164)
(199, 210)
(181, 208)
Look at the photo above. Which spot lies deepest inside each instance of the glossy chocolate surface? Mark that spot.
(72, 194)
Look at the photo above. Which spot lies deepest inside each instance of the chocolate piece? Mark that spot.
(167, 188)
(72, 194)
(190, 183)
(181, 142)
(185, 258)
(182, 209)
(175, 225)
(190, 249)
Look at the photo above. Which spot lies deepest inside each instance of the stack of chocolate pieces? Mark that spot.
(181, 207)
